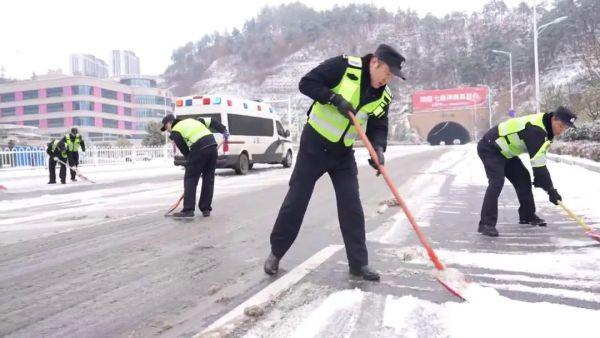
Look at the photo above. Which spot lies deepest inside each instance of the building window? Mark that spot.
(33, 109)
(128, 125)
(83, 121)
(127, 111)
(141, 126)
(145, 112)
(55, 107)
(109, 94)
(30, 94)
(110, 123)
(83, 90)
(127, 97)
(8, 112)
(54, 92)
(109, 108)
(32, 123)
(55, 123)
(7, 97)
(83, 105)
(150, 99)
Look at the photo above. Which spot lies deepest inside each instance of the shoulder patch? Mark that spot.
(355, 61)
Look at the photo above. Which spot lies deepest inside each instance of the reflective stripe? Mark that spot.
(327, 130)
(504, 149)
(539, 159)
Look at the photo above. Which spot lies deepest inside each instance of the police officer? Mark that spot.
(56, 150)
(499, 149)
(197, 144)
(338, 85)
(73, 141)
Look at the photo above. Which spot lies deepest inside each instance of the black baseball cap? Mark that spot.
(392, 58)
(565, 115)
(168, 118)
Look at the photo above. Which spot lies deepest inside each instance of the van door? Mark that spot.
(282, 139)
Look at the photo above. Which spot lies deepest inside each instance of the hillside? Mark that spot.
(273, 50)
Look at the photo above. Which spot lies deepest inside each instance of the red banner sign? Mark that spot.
(430, 100)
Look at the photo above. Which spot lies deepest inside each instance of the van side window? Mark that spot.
(280, 129)
(249, 125)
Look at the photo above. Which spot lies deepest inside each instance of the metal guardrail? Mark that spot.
(28, 157)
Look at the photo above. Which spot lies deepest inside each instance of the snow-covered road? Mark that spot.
(100, 260)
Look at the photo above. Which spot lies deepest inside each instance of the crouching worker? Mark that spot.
(499, 150)
(197, 144)
(56, 150)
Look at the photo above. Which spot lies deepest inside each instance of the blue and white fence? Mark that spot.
(29, 157)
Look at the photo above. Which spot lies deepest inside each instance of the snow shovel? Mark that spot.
(75, 170)
(174, 206)
(594, 234)
(452, 279)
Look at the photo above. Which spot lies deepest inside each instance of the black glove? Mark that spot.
(341, 104)
(536, 182)
(554, 196)
(180, 160)
(379, 151)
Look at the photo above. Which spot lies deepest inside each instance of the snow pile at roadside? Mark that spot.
(487, 315)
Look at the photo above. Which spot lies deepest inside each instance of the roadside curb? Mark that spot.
(582, 162)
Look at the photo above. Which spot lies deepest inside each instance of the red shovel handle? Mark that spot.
(399, 199)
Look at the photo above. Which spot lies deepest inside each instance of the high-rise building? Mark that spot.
(88, 65)
(124, 62)
(102, 109)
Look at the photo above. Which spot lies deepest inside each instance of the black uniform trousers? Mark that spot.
(317, 156)
(496, 168)
(73, 162)
(200, 162)
(62, 174)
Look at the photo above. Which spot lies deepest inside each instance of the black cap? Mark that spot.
(73, 130)
(392, 58)
(565, 115)
(168, 118)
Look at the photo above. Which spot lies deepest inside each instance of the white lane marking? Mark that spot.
(274, 289)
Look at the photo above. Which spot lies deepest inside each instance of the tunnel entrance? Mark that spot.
(449, 133)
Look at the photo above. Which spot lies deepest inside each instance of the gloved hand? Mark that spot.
(180, 160)
(379, 151)
(341, 104)
(554, 196)
(536, 182)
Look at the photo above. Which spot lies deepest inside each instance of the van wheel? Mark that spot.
(243, 165)
(288, 159)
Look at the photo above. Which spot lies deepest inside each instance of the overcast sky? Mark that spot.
(39, 35)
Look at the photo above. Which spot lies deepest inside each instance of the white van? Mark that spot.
(257, 135)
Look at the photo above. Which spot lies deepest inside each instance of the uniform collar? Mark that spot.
(548, 124)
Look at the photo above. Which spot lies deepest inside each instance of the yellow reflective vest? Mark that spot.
(329, 123)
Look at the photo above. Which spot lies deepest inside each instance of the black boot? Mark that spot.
(184, 214)
(205, 213)
(488, 230)
(366, 273)
(52, 182)
(534, 221)
(271, 264)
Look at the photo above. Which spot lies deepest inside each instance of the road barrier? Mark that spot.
(29, 157)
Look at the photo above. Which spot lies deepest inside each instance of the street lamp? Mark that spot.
(536, 32)
(512, 102)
